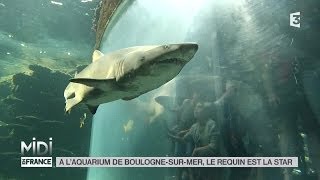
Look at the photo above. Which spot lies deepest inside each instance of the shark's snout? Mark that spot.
(189, 47)
(188, 50)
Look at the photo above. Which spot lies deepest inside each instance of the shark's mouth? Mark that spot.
(148, 68)
(177, 61)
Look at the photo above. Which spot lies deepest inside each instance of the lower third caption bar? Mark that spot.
(176, 161)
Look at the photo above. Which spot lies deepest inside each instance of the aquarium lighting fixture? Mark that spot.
(84, 1)
(57, 3)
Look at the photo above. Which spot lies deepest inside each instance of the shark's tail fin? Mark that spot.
(165, 101)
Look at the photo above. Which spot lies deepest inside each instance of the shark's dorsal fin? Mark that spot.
(96, 55)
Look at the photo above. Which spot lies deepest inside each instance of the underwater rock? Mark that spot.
(39, 70)
(5, 88)
(35, 104)
(44, 20)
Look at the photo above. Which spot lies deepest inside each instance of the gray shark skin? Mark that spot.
(126, 73)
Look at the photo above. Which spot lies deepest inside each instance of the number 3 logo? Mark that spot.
(295, 19)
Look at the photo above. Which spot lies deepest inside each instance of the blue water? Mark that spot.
(144, 23)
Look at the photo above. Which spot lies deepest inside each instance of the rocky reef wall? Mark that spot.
(32, 105)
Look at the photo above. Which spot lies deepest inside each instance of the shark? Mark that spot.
(126, 73)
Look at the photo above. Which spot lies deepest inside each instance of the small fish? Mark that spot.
(128, 126)
(11, 133)
(82, 119)
(3, 123)
(51, 122)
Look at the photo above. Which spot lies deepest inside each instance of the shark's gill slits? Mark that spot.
(128, 76)
(119, 69)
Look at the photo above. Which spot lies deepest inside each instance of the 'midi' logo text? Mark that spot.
(39, 149)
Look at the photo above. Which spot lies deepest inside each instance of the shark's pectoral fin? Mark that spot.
(98, 83)
(92, 109)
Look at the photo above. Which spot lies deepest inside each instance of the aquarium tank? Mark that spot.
(177, 89)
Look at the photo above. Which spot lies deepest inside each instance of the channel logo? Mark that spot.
(36, 153)
(295, 19)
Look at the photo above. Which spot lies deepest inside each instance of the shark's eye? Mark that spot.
(142, 59)
(166, 47)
